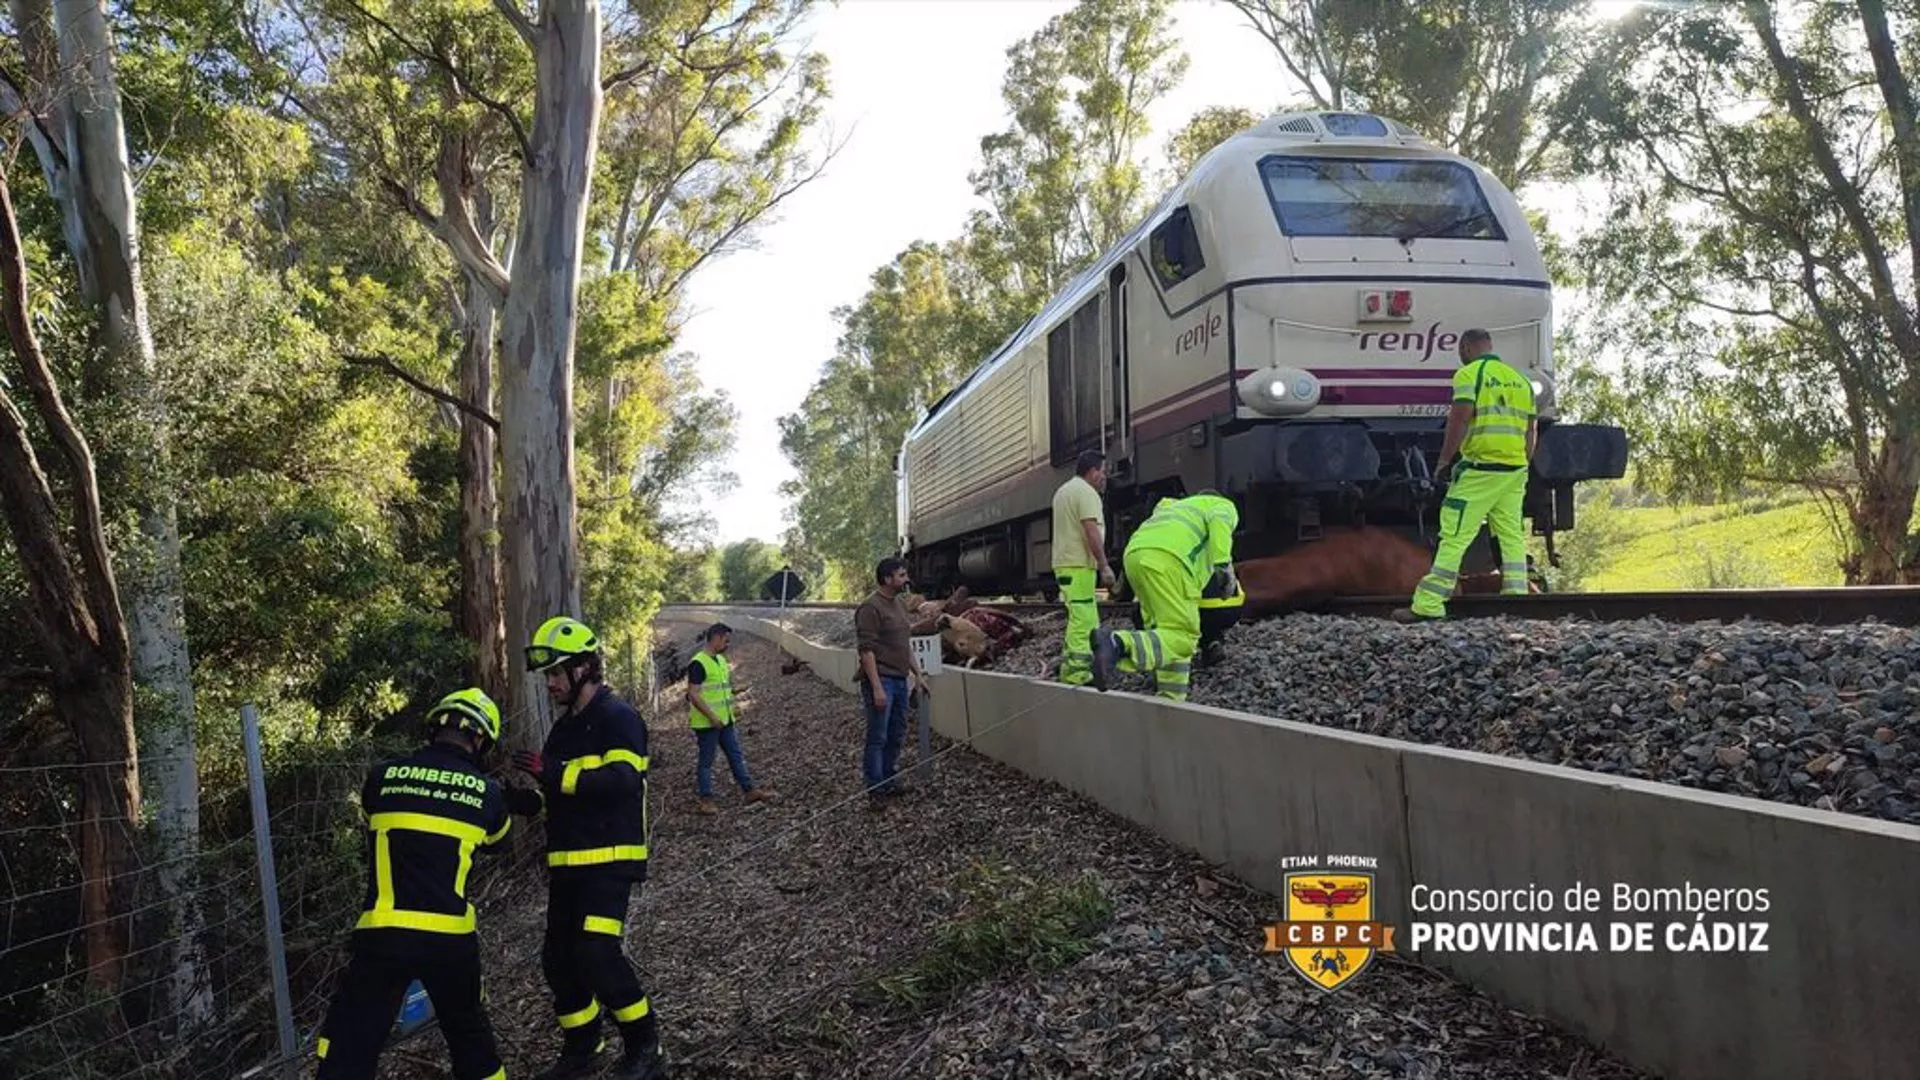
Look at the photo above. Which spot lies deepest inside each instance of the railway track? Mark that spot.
(1896, 605)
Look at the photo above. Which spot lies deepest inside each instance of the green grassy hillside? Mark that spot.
(1726, 546)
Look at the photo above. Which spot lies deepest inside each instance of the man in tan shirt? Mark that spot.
(886, 665)
(1079, 560)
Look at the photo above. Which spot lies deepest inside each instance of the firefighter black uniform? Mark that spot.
(592, 777)
(427, 816)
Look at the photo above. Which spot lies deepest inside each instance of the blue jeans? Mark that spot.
(886, 730)
(726, 738)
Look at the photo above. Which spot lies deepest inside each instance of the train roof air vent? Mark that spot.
(1299, 124)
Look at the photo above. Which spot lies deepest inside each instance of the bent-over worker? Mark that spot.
(1170, 559)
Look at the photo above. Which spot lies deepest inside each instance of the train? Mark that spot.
(1282, 328)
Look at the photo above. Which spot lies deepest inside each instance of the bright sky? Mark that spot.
(916, 83)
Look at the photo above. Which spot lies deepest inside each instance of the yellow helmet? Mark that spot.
(467, 710)
(560, 639)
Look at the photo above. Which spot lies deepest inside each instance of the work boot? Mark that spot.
(760, 795)
(1106, 654)
(1408, 615)
(706, 808)
(643, 1063)
(577, 1060)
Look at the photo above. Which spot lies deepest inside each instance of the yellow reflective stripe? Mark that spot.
(600, 924)
(322, 1050)
(632, 1012)
(430, 921)
(505, 824)
(584, 1016)
(466, 867)
(596, 856)
(570, 776)
(429, 823)
(497, 1074)
(382, 872)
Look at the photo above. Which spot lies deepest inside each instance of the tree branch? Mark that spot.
(102, 594)
(517, 15)
(1899, 324)
(1900, 109)
(387, 365)
(439, 58)
(747, 220)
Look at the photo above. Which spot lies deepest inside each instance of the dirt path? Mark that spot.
(763, 931)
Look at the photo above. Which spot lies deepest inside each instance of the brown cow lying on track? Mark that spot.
(1365, 561)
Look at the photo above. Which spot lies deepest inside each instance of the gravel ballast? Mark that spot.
(1824, 717)
(763, 934)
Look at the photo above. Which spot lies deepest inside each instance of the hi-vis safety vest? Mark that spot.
(1198, 529)
(716, 691)
(1502, 400)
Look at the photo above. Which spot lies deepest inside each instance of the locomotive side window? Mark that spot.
(1403, 199)
(1174, 249)
(1073, 383)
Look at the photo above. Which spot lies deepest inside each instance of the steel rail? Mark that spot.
(1894, 605)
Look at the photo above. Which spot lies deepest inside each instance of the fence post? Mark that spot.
(269, 891)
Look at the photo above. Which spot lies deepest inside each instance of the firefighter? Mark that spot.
(1492, 427)
(592, 786)
(1171, 560)
(427, 815)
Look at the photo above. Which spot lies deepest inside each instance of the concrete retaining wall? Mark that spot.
(1831, 997)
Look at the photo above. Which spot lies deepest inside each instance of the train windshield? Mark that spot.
(1405, 200)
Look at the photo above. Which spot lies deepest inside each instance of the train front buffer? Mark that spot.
(1296, 477)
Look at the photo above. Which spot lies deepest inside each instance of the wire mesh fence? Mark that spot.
(233, 950)
(208, 982)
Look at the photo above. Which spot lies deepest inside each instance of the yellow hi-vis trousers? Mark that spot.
(1083, 614)
(1476, 495)
(1170, 611)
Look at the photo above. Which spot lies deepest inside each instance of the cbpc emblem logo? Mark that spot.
(1330, 934)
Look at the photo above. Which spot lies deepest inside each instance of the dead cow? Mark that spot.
(1365, 561)
(979, 633)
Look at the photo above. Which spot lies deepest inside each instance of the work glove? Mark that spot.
(541, 769)
(1222, 584)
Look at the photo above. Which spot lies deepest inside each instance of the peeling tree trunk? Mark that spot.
(75, 611)
(480, 615)
(1883, 512)
(100, 183)
(541, 555)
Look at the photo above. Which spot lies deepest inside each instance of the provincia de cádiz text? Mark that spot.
(1684, 918)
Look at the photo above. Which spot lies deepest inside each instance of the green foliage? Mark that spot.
(744, 566)
(1207, 129)
(1747, 258)
(1478, 76)
(693, 575)
(1060, 185)
(1006, 924)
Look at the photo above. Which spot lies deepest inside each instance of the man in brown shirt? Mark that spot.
(886, 666)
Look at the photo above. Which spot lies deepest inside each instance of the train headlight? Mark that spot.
(1280, 391)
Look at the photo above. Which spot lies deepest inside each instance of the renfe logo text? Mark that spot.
(1423, 342)
(1198, 337)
